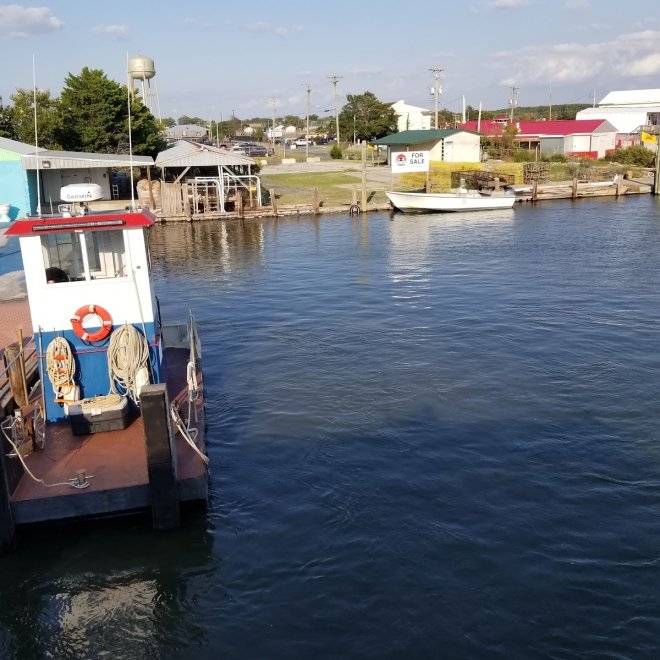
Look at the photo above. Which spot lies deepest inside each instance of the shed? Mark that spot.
(449, 145)
(20, 162)
(200, 179)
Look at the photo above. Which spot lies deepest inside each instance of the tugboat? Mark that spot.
(116, 421)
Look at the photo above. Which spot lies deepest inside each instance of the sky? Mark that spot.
(216, 59)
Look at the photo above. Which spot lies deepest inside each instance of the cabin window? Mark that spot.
(73, 257)
(63, 257)
(106, 254)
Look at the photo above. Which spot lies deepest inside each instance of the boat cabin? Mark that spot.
(87, 275)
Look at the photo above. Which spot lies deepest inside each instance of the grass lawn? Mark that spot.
(335, 188)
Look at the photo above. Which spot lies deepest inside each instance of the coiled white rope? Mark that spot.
(128, 353)
(60, 366)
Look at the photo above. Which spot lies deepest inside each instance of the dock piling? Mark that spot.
(161, 458)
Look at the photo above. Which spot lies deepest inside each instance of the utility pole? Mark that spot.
(513, 101)
(309, 91)
(272, 136)
(333, 80)
(436, 91)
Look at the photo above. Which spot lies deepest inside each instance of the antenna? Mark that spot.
(36, 138)
(513, 101)
(130, 136)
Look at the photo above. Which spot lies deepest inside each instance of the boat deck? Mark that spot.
(115, 464)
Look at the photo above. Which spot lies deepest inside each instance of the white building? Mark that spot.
(411, 117)
(627, 110)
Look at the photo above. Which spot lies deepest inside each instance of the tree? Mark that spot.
(185, 120)
(366, 117)
(48, 120)
(93, 109)
(7, 122)
(95, 116)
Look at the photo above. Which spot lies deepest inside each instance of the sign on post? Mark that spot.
(410, 161)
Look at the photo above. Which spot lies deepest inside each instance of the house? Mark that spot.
(411, 117)
(31, 176)
(190, 132)
(583, 138)
(627, 111)
(449, 145)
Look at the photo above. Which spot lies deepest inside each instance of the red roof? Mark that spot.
(90, 222)
(538, 128)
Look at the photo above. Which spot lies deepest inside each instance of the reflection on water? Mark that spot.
(111, 590)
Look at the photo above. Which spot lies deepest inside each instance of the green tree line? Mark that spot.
(91, 115)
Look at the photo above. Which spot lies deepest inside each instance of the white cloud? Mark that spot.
(118, 31)
(633, 54)
(577, 4)
(18, 21)
(506, 4)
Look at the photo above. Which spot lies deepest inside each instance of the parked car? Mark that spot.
(256, 150)
(301, 142)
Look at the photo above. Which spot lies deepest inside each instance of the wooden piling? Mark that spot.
(161, 456)
(272, 201)
(317, 204)
(575, 188)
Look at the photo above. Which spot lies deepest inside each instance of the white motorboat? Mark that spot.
(460, 200)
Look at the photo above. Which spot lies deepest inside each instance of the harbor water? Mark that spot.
(430, 437)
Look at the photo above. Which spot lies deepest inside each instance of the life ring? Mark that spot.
(85, 311)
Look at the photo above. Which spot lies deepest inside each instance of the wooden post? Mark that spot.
(619, 184)
(151, 191)
(535, 190)
(316, 200)
(239, 204)
(7, 524)
(656, 178)
(575, 187)
(354, 196)
(13, 357)
(272, 201)
(364, 176)
(161, 456)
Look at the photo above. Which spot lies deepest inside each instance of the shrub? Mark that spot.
(637, 155)
(335, 152)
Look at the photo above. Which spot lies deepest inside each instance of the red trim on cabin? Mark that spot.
(90, 222)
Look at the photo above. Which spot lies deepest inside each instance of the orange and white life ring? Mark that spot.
(85, 311)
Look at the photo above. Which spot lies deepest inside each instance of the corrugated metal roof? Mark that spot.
(17, 147)
(418, 137)
(189, 154)
(69, 159)
(536, 128)
(63, 160)
(633, 97)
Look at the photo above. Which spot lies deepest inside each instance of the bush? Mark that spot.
(637, 155)
(335, 152)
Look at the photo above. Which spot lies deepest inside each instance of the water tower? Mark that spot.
(141, 70)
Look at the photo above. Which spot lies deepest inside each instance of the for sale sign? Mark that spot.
(410, 161)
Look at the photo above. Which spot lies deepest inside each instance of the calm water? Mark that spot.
(431, 437)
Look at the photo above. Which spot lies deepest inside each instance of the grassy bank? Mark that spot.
(334, 188)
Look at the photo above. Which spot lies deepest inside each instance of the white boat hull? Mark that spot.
(470, 200)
